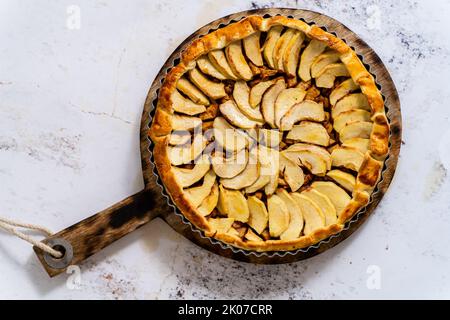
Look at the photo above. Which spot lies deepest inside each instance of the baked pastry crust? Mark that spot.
(368, 174)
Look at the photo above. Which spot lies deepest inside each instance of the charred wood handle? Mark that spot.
(87, 237)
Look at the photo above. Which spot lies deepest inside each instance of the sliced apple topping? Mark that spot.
(314, 49)
(295, 227)
(272, 37)
(359, 143)
(324, 154)
(313, 215)
(205, 66)
(270, 138)
(237, 61)
(328, 74)
(219, 60)
(265, 160)
(347, 117)
(259, 216)
(292, 173)
(179, 155)
(280, 48)
(247, 177)
(338, 197)
(324, 203)
(322, 61)
(233, 204)
(210, 202)
(257, 92)
(214, 90)
(184, 123)
(187, 177)
(268, 101)
(227, 137)
(232, 113)
(358, 129)
(286, 100)
(278, 215)
(231, 166)
(310, 132)
(220, 225)
(186, 106)
(342, 90)
(274, 171)
(196, 195)
(292, 53)
(241, 95)
(347, 157)
(305, 110)
(253, 49)
(349, 102)
(345, 179)
(252, 236)
(186, 87)
(179, 137)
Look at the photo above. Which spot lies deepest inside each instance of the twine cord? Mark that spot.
(11, 226)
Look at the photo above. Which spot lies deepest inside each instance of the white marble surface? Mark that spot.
(70, 106)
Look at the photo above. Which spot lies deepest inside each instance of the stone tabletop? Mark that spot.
(73, 79)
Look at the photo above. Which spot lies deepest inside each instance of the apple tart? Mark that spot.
(269, 134)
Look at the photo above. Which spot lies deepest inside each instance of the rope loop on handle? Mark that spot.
(11, 226)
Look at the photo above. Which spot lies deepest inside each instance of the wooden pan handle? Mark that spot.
(87, 237)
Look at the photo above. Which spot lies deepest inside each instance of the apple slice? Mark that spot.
(346, 117)
(338, 197)
(324, 203)
(229, 167)
(179, 155)
(322, 61)
(315, 149)
(237, 61)
(310, 132)
(186, 106)
(265, 171)
(292, 53)
(313, 161)
(227, 137)
(179, 137)
(192, 91)
(257, 92)
(278, 215)
(220, 225)
(270, 138)
(232, 113)
(328, 74)
(205, 66)
(219, 60)
(347, 157)
(268, 101)
(305, 110)
(349, 102)
(293, 174)
(259, 216)
(346, 180)
(274, 172)
(241, 95)
(358, 129)
(280, 47)
(251, 236)
(247, 177)
(214, 90)
(359, 143)
(187, 177)
(295, 227)
(253, 49)
(314, 49)
(184, 123)
(342, 90)
(233, 204)
(286, 100)
(196, 195)
(210, 202)
(313, 215)
(272, 37)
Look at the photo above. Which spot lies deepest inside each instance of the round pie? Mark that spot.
(269, 134)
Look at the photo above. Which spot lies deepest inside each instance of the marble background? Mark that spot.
(70, 107)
